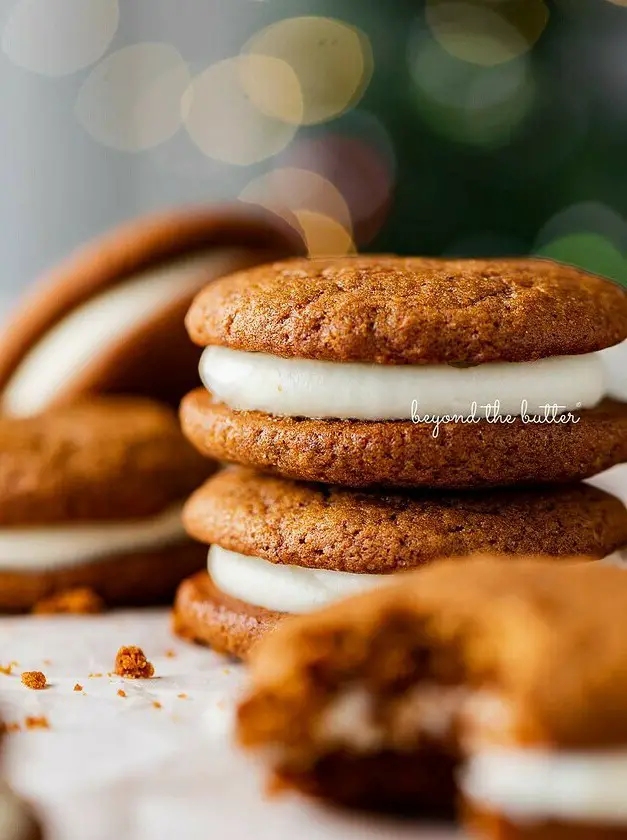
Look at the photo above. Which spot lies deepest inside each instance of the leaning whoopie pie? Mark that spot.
(377, 370)
(91, 496)
(502, 686)
(109, 319)
(280, 547)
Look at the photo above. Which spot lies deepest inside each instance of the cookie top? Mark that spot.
(545, 640)
(346, 530)
(411, 310)
(134, 248)
(106, 459)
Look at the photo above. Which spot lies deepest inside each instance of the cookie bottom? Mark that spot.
(139, 579)
(207, 616)
(399, 453)
(493, 826)
(404, 784)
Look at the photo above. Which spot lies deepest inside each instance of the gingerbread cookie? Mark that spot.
(109, 319)
(280, 547)
(91, 496)
(377, 370)
(499, 685)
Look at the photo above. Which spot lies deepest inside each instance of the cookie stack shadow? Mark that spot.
(342, 390)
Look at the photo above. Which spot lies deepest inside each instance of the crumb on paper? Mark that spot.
(94, 676)
(131, 662)
(78, 687)
(34, 679)
(226, 670)
(7, 728)
(40, 722)
(7, 670)
(121, 692)
(79, 601)
(47, 661)
(182, 696)
(156, 704)
(170, 654)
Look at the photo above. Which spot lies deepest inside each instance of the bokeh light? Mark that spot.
(290, 191)
(332, 61)
(486, 33)
(132, 100)
(467, 102)
(359, 167)
(590, 251)
(230, 110)
(323, 235)
(58, 37)
(589, 235)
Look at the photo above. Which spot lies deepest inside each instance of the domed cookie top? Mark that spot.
(106, 459)
(410, 310)
(109, 319)
(288, 522)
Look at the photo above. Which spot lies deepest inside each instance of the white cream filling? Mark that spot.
(60, 546)
(283, 588)
(102, 322)
(296, 589)
(319, 389)
(532, 785)
(615, 362)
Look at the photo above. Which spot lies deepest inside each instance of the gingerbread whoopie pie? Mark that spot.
(393, 371)
(91, 497)
(280, 547)
(109, 319)
(501, 687)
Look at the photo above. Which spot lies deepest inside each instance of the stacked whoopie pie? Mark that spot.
(386, 413)
(93, 465)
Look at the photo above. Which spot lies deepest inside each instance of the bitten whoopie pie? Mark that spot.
(280, 547)
(501, 685)
(91, 496)
(377, 370)
(109, 319)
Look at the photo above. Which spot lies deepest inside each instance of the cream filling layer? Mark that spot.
(319, 389)
(296, 589)
(531, 785)
(102, 322)
(60, 546)
(283, 588)
(615, 362)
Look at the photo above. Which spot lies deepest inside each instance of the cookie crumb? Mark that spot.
(156, 704)
(182, 696)
(78, 687)
(7, 670)
(34, 679)
(94, 676)
(7, 728)
(79, 601)
(37, 722)
(131, 662)
(121, 692)
(170, 654)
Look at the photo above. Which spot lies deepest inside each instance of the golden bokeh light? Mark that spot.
(59, 37)
(486, 33)
(227, 110)
(290, 191)
(323, 235)
(332, 61)
(131, 101)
